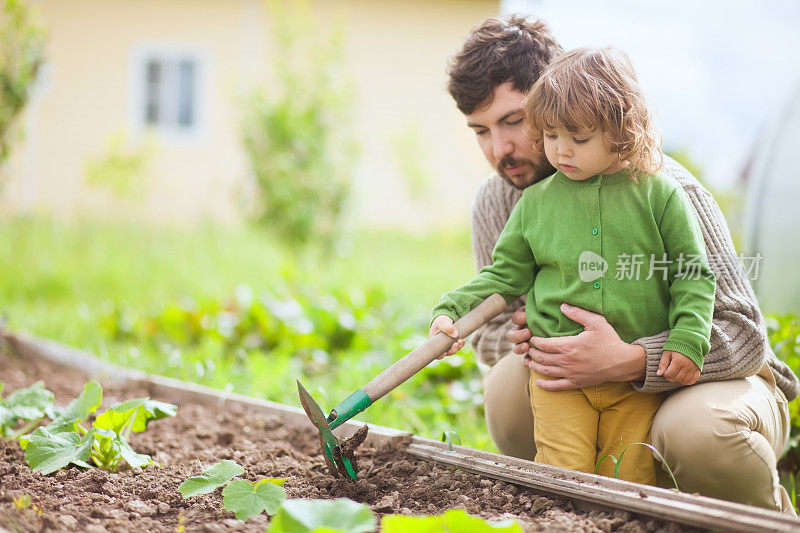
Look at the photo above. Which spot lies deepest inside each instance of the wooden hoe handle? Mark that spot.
(418, 359)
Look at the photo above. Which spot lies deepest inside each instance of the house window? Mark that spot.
(170, 93)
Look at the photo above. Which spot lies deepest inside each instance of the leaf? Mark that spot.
(121, 449)
(211, 478)
(134, 459)
(79, 408)
(47, 452)
(25, 412)
(159, 410)
(85, 404)
(248, 499)
(142, 410)
(29, 403)
(6, 417)
(452, 521)
(115, 418)
(53, 411)
(342, 514)
(613, 458)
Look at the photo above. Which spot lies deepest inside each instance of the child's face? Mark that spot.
(580, 155)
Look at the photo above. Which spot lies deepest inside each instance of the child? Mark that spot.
(604, 208)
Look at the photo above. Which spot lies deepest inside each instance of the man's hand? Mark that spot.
(678, 368)
(445, 324)
(594, 356)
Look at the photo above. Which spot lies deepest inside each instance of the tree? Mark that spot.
(21, 56)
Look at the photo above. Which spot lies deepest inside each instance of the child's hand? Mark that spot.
(678, 368)
(445, 324)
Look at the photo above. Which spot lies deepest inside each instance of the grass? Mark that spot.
(56, 277)
(64, 280)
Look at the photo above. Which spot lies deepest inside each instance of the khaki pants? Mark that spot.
(577, 428)
(721, 439)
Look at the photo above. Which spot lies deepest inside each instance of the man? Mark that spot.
(722, 436)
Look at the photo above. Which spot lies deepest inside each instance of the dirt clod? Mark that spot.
(346, 450)
(144, 509)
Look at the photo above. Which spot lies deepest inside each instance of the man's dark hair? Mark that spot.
(499, 51)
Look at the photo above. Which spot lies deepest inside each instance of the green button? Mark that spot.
(596, 284)
(594, 231)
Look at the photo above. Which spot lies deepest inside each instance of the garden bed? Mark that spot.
(147, 499)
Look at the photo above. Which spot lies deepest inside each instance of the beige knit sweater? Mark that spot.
(738, 335)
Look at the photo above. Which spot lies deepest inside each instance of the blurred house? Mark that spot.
(772, 219)
(180, 67)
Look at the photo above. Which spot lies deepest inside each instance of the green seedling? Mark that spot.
(243, 497)
(617, 460)
(331, 516)
(24, 502)
(113, 427)
(452, 520)
(66, 441)
(109, 449)
(451, 437)
(29, 405)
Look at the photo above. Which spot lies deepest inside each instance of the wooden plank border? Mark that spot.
(682, 508)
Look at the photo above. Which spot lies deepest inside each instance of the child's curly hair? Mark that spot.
(596, 88)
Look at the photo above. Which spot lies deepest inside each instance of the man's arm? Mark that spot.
(490, 211)
(738, 333)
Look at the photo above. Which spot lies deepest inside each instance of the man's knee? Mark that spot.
(685, 434)
(710, 441)
(508, 409)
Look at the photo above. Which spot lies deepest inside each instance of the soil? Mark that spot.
(147, 499)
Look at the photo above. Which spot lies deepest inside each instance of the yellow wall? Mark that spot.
(396, 51)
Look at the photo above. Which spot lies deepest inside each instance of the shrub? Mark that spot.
(21, 56)
(296, 132)
(784, 337)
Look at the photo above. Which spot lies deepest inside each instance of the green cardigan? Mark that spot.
(578, 242)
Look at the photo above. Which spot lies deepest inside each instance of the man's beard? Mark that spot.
(540, 171)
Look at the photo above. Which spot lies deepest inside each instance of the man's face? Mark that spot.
(505, 140)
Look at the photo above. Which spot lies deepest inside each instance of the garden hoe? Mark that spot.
(339, 456)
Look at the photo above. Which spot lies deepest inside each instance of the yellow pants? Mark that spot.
(575, 428)
(721, 438)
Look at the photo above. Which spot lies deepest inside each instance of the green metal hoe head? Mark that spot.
(339, 464)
